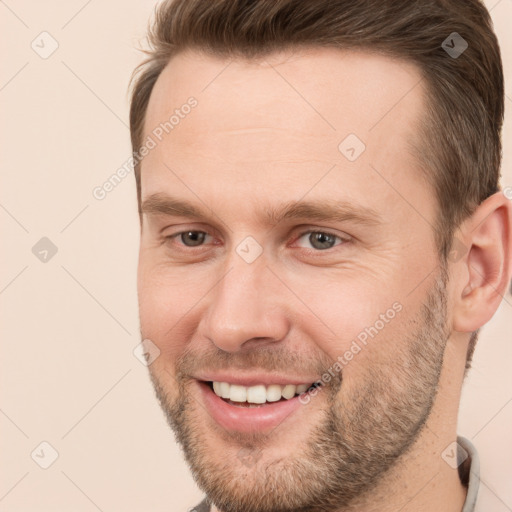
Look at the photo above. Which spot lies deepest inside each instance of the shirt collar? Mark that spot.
(469, 471)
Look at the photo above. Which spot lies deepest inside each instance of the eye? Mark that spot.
(191, 238)
(319, 240)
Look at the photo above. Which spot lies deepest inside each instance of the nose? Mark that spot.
(246, 307)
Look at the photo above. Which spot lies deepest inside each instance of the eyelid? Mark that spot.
(326, 231)
(344, 238)
(169, 231)
(183, 231)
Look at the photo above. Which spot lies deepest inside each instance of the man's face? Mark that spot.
(307, 258)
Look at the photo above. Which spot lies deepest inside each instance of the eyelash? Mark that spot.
(342, 240)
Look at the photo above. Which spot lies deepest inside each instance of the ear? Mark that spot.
(482, 274)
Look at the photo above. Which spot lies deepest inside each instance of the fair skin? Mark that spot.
(265, 133)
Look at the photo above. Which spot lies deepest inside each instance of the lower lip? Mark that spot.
(247, 419)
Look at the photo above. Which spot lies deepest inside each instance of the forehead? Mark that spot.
(335, 89)
(283, 121)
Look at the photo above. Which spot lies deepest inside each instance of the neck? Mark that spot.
(421, 482)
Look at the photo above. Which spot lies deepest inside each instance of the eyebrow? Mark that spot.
(319, 210)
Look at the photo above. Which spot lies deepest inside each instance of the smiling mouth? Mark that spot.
(259, 395)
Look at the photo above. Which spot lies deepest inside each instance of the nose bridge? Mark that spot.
(244, 305)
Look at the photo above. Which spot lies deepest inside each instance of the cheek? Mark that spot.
(350, 321)
(168, 301)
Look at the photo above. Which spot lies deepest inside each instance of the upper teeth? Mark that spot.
(257, 394)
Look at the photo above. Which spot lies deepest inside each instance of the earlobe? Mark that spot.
(485, 278)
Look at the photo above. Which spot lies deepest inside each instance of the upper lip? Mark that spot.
(253, 379)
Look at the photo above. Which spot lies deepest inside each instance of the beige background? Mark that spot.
(69, 326)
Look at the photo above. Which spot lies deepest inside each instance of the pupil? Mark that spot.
(321, 240)
(192, 238)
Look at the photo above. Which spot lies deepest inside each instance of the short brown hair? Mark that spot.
(460, 134)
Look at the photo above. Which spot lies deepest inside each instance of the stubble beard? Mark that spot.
(356, 441)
